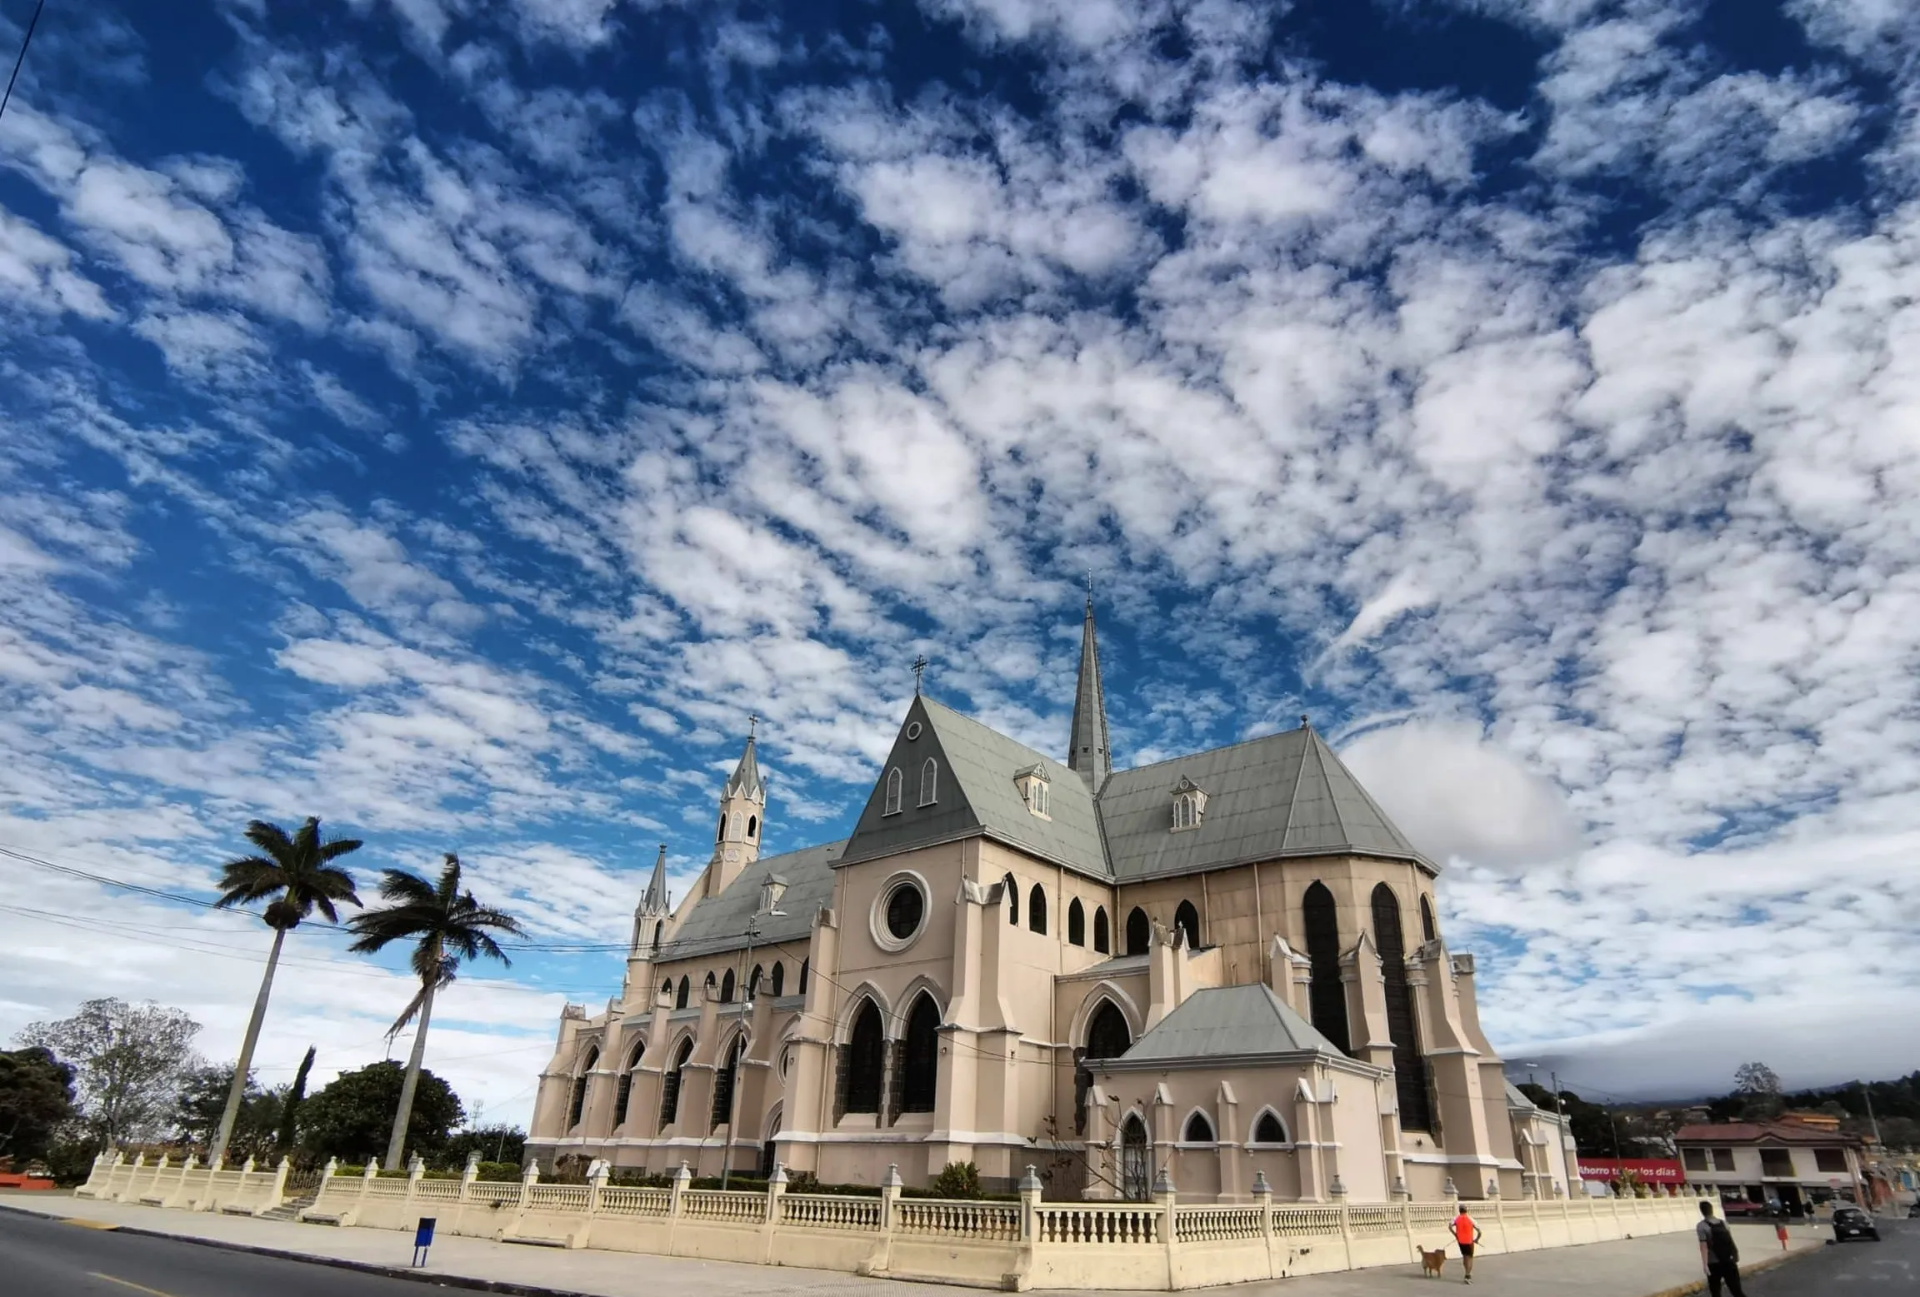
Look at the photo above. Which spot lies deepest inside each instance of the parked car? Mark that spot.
(1734, 1208)
(1914, 1210)
(1851, 1222)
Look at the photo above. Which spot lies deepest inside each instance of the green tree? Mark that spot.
(448, 927)
(350, 1117)
(129, 1061)
(495, 1143)
(295, 876)
(201, 1105)
(36, 1096)
(290, 1106)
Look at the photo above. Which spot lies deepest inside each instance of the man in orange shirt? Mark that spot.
(1466, 1234)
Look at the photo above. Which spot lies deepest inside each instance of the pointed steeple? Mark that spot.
(746, 775)
(654, 900)
(743, 808)
(1088, 751)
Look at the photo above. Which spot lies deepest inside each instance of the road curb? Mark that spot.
(1746, 1271)
(337, 1263)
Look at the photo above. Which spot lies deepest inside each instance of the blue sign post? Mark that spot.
(422, 1240)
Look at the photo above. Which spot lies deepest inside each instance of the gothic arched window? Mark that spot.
(863, 1059)
(686, 990)
(1187, 919)
(1102, 941)
(894, 785)
(1268, 1130)
(1139, 932)
(726, 987)
(721, 832)
(578, 1104)
(779, 979)
(710, 980)
(670, 1087)
(753, 983)
(803, 975)
(920, 1060)
(1037, 910)
(1199, 1130)
(1076, 924)
(1427, 929)
(1327, 998)
(723, 1087)
(659, 931)
(624, 1095)
(1013, 899)
(666, 987)
(1107, 1037)
(929, 782)
(753, 826)
(1409, 1065)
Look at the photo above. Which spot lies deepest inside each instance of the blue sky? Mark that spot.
(454, 419)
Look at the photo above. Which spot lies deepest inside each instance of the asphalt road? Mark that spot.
(1891, 1266)
(50, 1258)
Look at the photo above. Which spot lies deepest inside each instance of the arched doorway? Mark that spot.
(1133, 1159)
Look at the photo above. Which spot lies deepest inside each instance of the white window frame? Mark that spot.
(929, 782)
(896, 786)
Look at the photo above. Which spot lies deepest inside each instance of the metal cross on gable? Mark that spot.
(919, 669)
(753, 723)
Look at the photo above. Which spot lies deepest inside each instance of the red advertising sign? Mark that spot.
(1650, 1170)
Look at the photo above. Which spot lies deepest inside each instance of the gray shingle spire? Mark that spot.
(654, 900)
(746, 776)
(1087, 748)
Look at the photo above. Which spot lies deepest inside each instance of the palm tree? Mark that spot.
(299, 875)
(447, 927)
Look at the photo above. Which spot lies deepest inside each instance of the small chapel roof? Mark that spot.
(718, 923)
(1226, 1022)
(1284, 794)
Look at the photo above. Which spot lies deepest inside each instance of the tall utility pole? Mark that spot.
(1866, 1088)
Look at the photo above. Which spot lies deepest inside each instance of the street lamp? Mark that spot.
(746, 1039)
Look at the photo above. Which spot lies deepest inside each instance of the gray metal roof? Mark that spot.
(1515, 1099)
(718, 923)
(975, 794)
(1228, 1022)
(1285, 794)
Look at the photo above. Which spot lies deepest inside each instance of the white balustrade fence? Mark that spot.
(1157, 1245)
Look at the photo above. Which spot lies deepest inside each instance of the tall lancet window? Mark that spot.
(1327, 998)
(895, 783)
(929, 782)
(1409, 1065)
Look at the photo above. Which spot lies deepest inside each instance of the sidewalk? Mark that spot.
(1662, 1264)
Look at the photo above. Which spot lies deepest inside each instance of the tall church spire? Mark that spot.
(1088, 751)
(743, 809)
(654, 901)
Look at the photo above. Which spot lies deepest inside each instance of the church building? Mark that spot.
(1221, 965)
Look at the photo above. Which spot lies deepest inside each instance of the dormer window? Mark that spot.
(894, 785)
(1189, 805)
(1036, 791)
(770, 893)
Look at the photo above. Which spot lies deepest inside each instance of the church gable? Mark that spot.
(978, 792)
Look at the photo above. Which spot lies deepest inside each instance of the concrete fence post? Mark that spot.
(1030, 1191)
(1338, 1192)
(368, 1174)
(128, 1193)
(769, 1228)
(1168, 1202)
(596, 1183)
(677, 1181)
(469, 1175)
(416, 1172)
(278, 1193)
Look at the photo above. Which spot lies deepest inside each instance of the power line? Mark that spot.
(24, 42)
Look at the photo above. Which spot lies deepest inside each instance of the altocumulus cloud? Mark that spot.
(453, 420)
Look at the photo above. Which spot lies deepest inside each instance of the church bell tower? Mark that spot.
(743, 813)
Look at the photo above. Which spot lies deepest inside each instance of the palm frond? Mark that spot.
(271, 839)
(406, 887)
(249, 879)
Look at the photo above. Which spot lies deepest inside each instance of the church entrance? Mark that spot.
(1133, 1159)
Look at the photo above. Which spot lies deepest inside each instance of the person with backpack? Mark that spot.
(1718, 1255)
